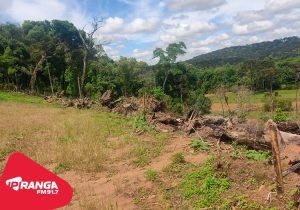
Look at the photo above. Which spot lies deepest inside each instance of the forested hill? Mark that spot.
(279, 48)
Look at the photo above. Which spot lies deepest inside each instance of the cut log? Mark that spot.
(289, 127)
(106, 98)
(293, 168)
(244, 138)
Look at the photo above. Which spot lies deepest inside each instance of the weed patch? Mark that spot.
(204, 187)
(151, 175)
(258, 155)
(198, 145)
(178, 158)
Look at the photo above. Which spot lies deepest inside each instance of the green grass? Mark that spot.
(257, 97)
(198, 145)
(258, 155)
(22, 98)
(204, 187)
(151, 175)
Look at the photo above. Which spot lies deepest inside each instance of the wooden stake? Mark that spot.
(276, 157)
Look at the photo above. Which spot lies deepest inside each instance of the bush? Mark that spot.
(158, 93)
(141, 124)
(279, 103)
(151, 175)
(284, 104)
(197, 145)
(280, 116)
(258, 155)
(205, 187)
(178, 158)
(175, 106)
(200, 102)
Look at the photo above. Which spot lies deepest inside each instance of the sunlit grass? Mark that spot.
(21, 98)
(255, 98)
(71, 139)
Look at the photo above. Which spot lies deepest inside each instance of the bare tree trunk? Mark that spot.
(51, 85)
(85, 54)
(165, 81)
(35, 71)
(79, 88)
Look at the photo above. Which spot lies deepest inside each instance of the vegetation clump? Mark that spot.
(198, 145)
(204, 187)
(178, 158)
(258, 155)
(151, 175)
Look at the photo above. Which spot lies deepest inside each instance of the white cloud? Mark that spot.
(4, 5)
(142, 25)
(249, 16)
(253, 27)
(182, 32)
(281, 5)
(138, 25)
(185, 27)
(194, 5)
(20, 10)
(212, 40)
(204, 25)
(112, 24)
(114, 51)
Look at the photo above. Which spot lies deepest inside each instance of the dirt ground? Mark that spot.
(106, 162)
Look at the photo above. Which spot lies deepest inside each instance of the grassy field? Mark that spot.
(112, 166)
(22, 98)
(257, 97)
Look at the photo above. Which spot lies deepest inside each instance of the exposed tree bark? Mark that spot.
(85, 55)
(79, 87)
(165, 81)
(35, 71)
(87, 46)
(50, 79)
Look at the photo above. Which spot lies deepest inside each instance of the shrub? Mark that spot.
(204, 187)
(258, 155)
(280, 116)
(198, 101)
(158, 93)
(284, 104)
(197, 145)
(279, 103)
(141, 124)
(151, 175)
(178, 158)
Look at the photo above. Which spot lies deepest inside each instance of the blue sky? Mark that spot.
(135, 28)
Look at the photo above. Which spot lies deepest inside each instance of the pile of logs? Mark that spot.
(79, 103)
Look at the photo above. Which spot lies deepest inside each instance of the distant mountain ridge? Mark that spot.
(279, 48)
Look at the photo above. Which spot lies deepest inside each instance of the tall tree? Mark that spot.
(89, 46)
(168, 57)
(40, 40)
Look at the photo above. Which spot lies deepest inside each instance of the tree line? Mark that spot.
(45, 57)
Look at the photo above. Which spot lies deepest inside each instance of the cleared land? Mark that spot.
(111, 166)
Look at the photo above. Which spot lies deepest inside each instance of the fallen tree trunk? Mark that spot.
(291, 169)
(243, 138)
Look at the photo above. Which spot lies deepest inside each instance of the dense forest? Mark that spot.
(279, 48)
(45, 57)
